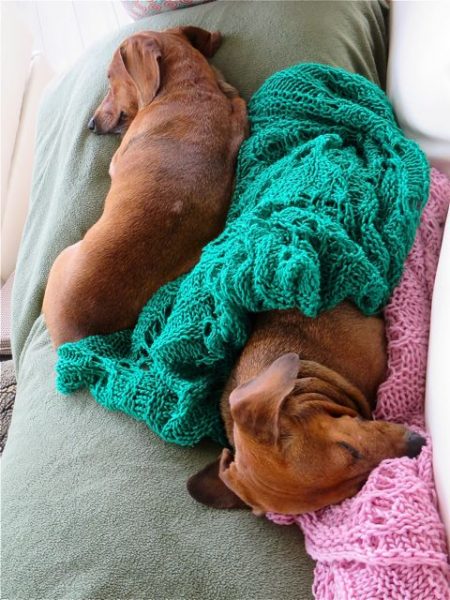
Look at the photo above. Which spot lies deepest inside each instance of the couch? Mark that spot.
(23, 82)
(94, 504)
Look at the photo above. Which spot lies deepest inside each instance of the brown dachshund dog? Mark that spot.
(171, 182)
(300, 422)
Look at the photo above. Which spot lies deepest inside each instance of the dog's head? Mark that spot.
(135, 72)
(299, 443)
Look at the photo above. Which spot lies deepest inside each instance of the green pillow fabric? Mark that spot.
(93, 504)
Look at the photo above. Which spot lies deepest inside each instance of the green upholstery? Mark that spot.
(93, 504)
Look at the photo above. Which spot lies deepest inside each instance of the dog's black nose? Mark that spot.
(91, 125)
(414, 444)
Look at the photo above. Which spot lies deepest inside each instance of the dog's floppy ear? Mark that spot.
(206, 42)
(207, 487)
(142, 58)
(117, 68)
(255, 405)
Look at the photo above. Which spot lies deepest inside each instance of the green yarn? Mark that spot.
(328, 197)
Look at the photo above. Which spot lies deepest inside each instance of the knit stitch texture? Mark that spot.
(388, 542)
(328, 198)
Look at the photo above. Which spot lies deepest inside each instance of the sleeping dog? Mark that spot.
(171, 182)
(297, 406)
(297, 412)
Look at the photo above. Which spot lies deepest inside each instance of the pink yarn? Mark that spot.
(388, 542)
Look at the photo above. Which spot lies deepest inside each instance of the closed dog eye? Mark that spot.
(353, 451)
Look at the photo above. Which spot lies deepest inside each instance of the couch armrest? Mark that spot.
(418, 80)
(437, 405)
(15, 200)
(418, 84)
(16, 42)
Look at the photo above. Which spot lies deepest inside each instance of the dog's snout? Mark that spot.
(414, 444)
(92, 125)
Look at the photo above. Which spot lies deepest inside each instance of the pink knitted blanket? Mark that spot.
(388, 542)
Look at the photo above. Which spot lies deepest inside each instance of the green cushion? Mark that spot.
(94, 505)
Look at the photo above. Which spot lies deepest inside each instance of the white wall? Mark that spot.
(63, 29)
(39, 39)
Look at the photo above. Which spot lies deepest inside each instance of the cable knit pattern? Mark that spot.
(328, 199)
(388, 543)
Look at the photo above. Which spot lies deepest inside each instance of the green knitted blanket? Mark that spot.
(328, 197)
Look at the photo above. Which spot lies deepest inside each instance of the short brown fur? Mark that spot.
(171, 182)
(297, 412)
